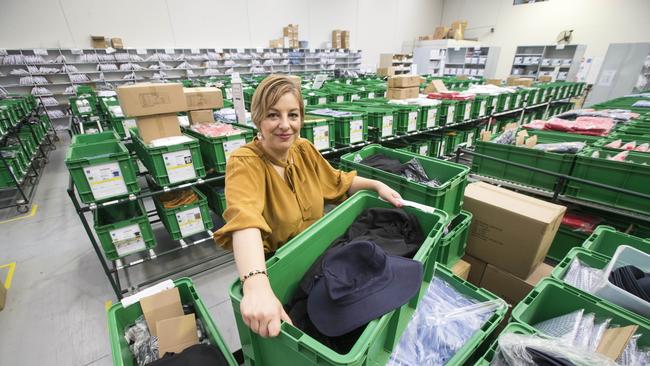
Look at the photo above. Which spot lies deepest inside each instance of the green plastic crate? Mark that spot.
(293, 347)
(122, 126)
(349, 130)
(102, 171)
(169, 165)
(447, 197)
(119, 318)
(480, 107)
(216, 196)
(215, 151)
(552, 298)
(447, 112)
(605, 240)
(28, 142)
(320, 131)
(565, 239)
(633, 175)
(452, 245)
(123, 229)
(453, 138)
(185, 220)
(107, 136)
(466, 110)
(428, 117)
(314, 97)
(438, 146)
(6, 179)
(503, 102)
(421, 148)
(380, 118)
(591, 259)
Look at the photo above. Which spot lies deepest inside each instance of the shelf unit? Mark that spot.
(402, 62)
(98, 65)
(450, 57)
(561, 62)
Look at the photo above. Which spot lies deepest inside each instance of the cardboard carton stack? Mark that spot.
(117, 43)
(340, 38)
(456, 31)
(386, 71)
(290, 33)
(403, 87)
(155, 107)
(509, 237)
(201, 102)
(98, 41)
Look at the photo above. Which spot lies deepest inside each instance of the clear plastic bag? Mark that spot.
(585, 329)
(632, 356)
(564, 327)
(443, 322)
(142, 344)
(597, 334)
(514, 350)
(582, 276)
(506, 138)
(561, 147)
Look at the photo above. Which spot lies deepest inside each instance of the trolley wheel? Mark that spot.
(22, 209)
(32, 180)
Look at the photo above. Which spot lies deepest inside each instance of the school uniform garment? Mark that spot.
(258, 197)
(394, 230)
(632, 280)
(411, 170)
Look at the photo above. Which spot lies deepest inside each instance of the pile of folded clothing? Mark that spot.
(593, 126)
(451, 95)
(411, 170)
(631, 146)
(521, 139)
(618, 115)
(216, 129)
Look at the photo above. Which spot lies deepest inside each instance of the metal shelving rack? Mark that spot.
(560, 61)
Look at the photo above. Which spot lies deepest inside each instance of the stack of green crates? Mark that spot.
(452, 244)
(216, 196)
(320, 131)
(17, 162)
(185, 220)
(481, 106)
(215, 151)
(350, 128)
(448, 196)
(123, 229)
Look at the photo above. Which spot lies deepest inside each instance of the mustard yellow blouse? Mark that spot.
(258, 197)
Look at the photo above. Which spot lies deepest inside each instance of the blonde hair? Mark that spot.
(269, 92)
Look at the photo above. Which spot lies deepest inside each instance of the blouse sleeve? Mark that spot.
(334, 183)
(245, 197)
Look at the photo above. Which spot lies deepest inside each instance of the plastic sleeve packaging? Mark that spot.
(443, 322)
(564, 327)
(514, 351)
(561, 147)
(143, 346)
(597, 334)
(582, 276)
(506, 138)
(585, 330)
(632, 356)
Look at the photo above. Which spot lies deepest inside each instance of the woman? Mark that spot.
(276, 187)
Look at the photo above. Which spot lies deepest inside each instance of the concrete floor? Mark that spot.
(55, 312)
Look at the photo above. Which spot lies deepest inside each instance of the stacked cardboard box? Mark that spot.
(117, 43)
(340, 38)
(98, 41)
(403, 87)
(290, 33)
(201, 102)
(155, 107)
(509, 237)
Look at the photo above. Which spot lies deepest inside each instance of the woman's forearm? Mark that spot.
(248, 250)
(359, 183)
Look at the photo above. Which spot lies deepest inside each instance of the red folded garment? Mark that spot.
(537, 124)
(450, 96)
(600, 126)
(559, 124)
(580, 222)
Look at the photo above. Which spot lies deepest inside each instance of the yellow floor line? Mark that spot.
(25, 216)
(10, 274)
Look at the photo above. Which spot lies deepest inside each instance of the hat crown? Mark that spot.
(356, 270)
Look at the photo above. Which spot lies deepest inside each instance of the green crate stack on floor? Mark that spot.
(320, 131)
(314, 97)
(453, 243)
(350, 128)
(101, 167)
(448, 196)
(187, 219)
(15, 159)
(215, 151)
(216, 196)
(120, 318)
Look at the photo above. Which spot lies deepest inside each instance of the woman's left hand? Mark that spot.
(389, 194)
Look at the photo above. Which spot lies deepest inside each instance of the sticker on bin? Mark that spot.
(105, 180)
(431, 117)
(481, 111)
(339, 99)
(371, 95)
(128, 240)
(190, 221)
(355, 97)
(116, 111)
(424, 150)
(386, 126)
(442, 147)
(468, 109)
(517, 101)
(230, 146)
(470, 139)
(494, 103)
(450, 114)
(322, 137)
(507, 103)
(322, 100)
(356, 131)
(179, 166)
(413, 121)
(128, 124)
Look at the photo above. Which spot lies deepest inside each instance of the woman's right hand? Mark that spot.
(260, 309)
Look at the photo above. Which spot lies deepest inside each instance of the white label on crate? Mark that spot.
(339, 99)
(413, 121)
(470, 139)
(84, 109)
(141, 167)
(431, 117)
(442, 147)
(141, 51)
(230, 146)
(179, 165)
(544, 95)
(355, 97)
(517, 101)
(127, 240)
(450, 114)
(506, 105)
(105, 180)
(356, 131)
(424, 150)
(190, 221)
(371, 95)
(494, 103)
(481, 110)
(169, 51)
(241, 50)
(386, 126)
(218, 50)
(128, 124)
(40, 51)
(322, 137)
(116, 111)
(77, 51)
(468, 110)
(195, 51)
(322, 100)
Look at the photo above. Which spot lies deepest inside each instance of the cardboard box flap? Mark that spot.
(532, 208)
(615, 340)
(203, 98)
(176, 334)
(163, 305)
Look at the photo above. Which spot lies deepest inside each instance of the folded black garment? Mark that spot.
(411, 170)
(198, 354)
(632, 280)
(546, 359)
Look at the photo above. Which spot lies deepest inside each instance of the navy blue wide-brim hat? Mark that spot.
(360, 283)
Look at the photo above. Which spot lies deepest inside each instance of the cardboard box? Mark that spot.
(161, 306)
(384, 71)
(117, 43)
(476, 271)
(545, 78)
(158, 126)
(436, 86)
(402, 93)
(98, 41)
(3, 296)
(458, 29)
(440, 32)
(510, 287)
(145, 99)
(276, 43)
(175, 334)
(201, 116)
(510, 230)
(528, 82)
(512, 80)
(404, 81)
(496, 82)
(203, 98)
(461, 269)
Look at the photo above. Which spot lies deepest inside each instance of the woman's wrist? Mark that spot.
(255, 282)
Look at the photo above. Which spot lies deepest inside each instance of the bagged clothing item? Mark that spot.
(506, 138)
(581, 222)
(582, 276)
(178, 198)
(198, 354)
(632, 280)
(412, 170)
(616, 144)
(561, 147)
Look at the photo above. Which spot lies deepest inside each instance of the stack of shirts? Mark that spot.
(216, 129)
(618, 115)
(593, 126)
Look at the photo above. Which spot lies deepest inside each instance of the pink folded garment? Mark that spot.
(643, 147)
(599, 126)
(537, 124)
(559, 124)
(620, 156)
(616, 144)
(216, 129)
(629, 146)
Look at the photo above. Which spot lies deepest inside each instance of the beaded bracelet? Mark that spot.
(253, 273)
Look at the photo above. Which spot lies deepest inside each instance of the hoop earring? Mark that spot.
(259, 136)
